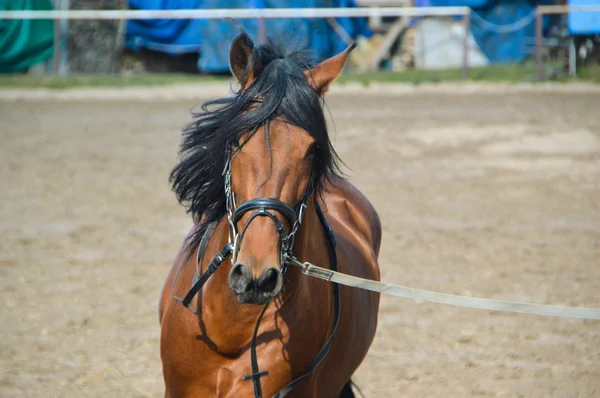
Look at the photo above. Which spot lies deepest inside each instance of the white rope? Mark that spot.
(450, 299)
(506, 28)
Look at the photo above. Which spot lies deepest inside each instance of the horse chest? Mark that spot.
(209, 356)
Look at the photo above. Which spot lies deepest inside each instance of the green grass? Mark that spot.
(496, 73)
(591, 73)
(65, 82)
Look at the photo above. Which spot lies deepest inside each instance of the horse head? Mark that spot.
(275, 167)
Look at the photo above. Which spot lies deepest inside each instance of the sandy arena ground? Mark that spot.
(484, 191)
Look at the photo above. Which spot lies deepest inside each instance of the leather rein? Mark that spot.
(264, 207)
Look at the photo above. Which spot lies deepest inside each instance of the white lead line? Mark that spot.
(450, 299)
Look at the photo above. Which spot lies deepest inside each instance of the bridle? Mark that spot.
(265, 208)
(235, 213)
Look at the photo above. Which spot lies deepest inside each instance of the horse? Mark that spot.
(258, 173)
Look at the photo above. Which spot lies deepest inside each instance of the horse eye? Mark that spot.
(312, 150)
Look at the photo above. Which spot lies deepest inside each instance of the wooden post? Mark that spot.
(262, 31)
(64, 34)
(572, 58)
(538, 45)
(119, 40)
(56, 55)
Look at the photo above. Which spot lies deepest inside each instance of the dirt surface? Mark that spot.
(489, 193)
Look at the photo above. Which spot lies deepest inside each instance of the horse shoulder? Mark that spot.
(354, 216)
(178, 263)
(348, 204)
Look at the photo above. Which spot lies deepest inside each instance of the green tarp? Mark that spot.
(24, 43)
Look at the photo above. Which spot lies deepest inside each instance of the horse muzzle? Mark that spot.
(251, 290)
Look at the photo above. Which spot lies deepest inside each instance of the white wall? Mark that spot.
(439, 45)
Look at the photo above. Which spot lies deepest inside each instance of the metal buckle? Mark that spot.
(289, 259)
(301, 212)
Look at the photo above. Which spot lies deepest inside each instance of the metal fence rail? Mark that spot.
(240, 13)
(261, 14)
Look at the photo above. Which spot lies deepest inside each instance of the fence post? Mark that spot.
(262, 30)
(467, 28)
(539, 45)
(572, 58)
(57, 53)
(63, 65)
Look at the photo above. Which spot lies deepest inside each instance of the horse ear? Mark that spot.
(239, 59)
(322, 75)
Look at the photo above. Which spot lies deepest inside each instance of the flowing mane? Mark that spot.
(285, 95)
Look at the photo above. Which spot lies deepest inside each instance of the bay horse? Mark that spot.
(260, 177)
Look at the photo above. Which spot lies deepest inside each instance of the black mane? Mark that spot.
(280, 82)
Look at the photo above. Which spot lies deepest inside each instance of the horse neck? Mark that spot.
(311, 240)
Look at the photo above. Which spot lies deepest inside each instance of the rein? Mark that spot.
(294, 217)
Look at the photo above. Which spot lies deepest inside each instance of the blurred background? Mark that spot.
(494, 39)
(487, 187)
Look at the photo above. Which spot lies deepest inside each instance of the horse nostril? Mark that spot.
(270, 281)
(240, 278)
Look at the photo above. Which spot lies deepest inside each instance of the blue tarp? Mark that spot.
(212, 38)
(584, 23)
(503, 29)
(453, 3)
